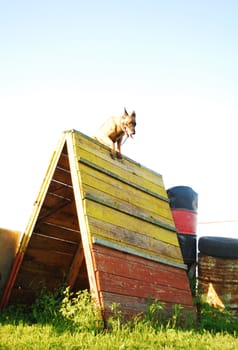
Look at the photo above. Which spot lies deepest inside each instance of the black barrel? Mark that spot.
(184, 203)
(183, 197)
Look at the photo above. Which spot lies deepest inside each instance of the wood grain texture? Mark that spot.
(87, 197)
(101, 184)
(75, 266)
(222, 274)
(131, 277)
(117, 218)
(139, 241)
(129, 170)
(100, 152)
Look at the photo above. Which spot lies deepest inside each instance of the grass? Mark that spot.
(64, 321)
(37, 337)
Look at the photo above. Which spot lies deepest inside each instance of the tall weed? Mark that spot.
(215, 320)
(46, 307)
(80, 313)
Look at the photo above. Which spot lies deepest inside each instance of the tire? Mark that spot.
(188, 248)
(221, 247)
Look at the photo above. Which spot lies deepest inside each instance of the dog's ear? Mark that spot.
(133, 114)
(125, 111)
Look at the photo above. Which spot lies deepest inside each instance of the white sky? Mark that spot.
(72, 64)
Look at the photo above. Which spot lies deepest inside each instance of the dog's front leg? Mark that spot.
(111, 144)
(107, 141)
(118, 150)
(113, 151)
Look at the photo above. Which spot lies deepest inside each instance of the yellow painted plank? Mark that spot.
(118, 169)
(137, 204)
(102, 185)
(132, 213)
(125, 221)
(95, 153)
(90, 145)
(137, 241)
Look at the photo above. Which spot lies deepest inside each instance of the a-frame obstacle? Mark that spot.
(104, 225)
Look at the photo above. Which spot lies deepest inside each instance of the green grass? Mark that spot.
(46, 337)
(65, 321)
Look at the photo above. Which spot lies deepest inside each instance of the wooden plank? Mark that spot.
(116, 212)
(78, 190)
(82, 280)
(60, 232)
(55, 200)
(75, 266)
(42, 193)
(131, 306)
(62, 175)
(48, 258)
(129, 210)
(32, 221)
(64, 159)
(123, 274)
(139, 185)
(63, 219)
(102, 185)
(135, 240)
(61, 189)
(133, 173)
(54, 205)
(131, 266)
(143, 254)
(39, 241)
(92, 146)
(139, 288)
(36, 279)
(30, 282)
(112, 216)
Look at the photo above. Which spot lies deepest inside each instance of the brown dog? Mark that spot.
(113, 130)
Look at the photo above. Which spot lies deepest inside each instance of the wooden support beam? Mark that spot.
(63, 203)
(75, 266)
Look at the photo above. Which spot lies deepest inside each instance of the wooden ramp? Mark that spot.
(104, 225)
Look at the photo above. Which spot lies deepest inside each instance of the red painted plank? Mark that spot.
(132, 276)
(130, 305)
(143, 289)
(126, 265)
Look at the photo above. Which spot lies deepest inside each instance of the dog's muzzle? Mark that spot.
(129, 133)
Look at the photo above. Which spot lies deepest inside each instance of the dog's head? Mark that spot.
(129, 123)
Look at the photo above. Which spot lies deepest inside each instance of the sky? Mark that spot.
(72, 64)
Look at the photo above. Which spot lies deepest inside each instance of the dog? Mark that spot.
(111, 133)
